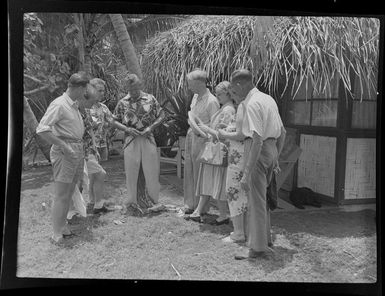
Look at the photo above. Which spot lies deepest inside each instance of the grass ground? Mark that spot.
(329, 245)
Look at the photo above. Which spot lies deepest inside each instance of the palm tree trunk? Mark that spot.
(83, 52)
(126, 44)
(31, 122)
(259, 55)
(132, 63)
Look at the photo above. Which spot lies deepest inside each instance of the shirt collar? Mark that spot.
(142, 96)
(205, 95)
(251, 93)
(73, 103)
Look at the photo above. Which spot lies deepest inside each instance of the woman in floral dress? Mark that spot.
(236, 197)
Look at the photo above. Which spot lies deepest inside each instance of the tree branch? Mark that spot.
(36, 90)
(33, 79)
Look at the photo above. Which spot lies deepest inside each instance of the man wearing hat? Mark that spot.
(62, 125)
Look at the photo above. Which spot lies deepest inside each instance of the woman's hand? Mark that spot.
(221, 134)
(204, 128)
(244, 182)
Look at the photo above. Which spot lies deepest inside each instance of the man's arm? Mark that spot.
(252, 158)
(52, 139)
(281, 140)
(157, 122)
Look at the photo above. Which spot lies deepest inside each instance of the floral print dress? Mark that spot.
(236, 197)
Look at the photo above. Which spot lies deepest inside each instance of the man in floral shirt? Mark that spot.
(140, 112)
(95, 120)
(102, 116)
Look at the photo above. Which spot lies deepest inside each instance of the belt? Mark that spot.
(71, 140)
(270, 139)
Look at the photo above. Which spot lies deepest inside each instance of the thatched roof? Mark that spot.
(313, 49)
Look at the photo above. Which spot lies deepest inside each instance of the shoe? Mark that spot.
(194, 218)
(68, 235)
(249, 254)
(157, 208)
(229, 239)
(217, 223)
(188, 211)
(90, 208)
(102, 210)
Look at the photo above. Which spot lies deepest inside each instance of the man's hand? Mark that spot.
(276, 167)
(133, 132)
(67, 149)
(146, 131)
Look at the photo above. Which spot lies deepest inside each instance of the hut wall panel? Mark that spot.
(324, 113)
(364, 114)
(299, 112)
(316, 165)
(360, 175)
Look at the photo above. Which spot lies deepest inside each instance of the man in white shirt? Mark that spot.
(262, 123)
(62, 126)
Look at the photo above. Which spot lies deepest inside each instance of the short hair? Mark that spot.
(242, 75)
(78, 79)
(197, 74)
(224, 85)
(97, 81)
(133, 79)
(91, 92)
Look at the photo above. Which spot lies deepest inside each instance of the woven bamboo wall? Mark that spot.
(360, 175)
(316, 165)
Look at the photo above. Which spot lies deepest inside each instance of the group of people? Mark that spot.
(240, 116)
(247, 121)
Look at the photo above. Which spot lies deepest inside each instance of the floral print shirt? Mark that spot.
(89, 125)
(102, 116)
(137, 113)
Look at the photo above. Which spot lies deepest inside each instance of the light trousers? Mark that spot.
(258, 215)
(141, 150)
(193, 145)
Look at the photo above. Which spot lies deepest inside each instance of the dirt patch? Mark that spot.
(310, 246)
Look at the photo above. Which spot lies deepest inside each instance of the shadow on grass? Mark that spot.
(223, 229)
(334, 223)
(82, 228)
(276, 260)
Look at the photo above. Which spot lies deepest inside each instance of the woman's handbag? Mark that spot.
(214, 153)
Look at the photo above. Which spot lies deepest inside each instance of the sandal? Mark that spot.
(217, 223)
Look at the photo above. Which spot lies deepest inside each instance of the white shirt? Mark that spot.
(62, 118)
(261, 115)
(205, 107)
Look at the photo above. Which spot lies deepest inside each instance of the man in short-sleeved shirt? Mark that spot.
(262, 123)
(140, 112)
(62, 126)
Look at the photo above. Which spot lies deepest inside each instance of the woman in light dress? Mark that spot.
(212, 179)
